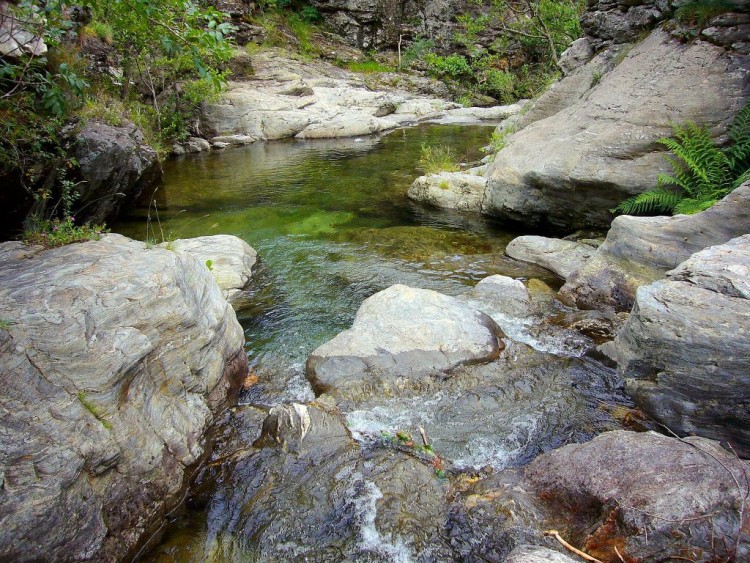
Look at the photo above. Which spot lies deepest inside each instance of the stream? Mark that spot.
(332, 225)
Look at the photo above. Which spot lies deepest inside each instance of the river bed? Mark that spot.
(332, 226)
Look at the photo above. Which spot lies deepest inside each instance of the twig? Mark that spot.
(567, 546)
(617, 551)
(424, 436)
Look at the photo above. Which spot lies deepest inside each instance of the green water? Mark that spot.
(332, 225)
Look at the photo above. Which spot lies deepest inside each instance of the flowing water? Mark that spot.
(332, 225)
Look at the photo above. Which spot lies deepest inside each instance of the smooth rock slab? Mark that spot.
(113, 362)
(400, 335)
(561, 256)
(685, 350)
(232, 261)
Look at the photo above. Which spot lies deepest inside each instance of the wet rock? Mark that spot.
(231, 262)
(569, 168)
(196, 144)
(684, 351)
(561, 256)
(116, 166)
(400, 336)
(640, 250)
(450, 190)
(499, 296)
(650, 496)
(114, 362)
(338, 502)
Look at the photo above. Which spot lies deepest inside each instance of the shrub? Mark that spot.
(451, 66)
(368, 67)
(703, 172)
(58, 232)
(438, 158)
(700, 12)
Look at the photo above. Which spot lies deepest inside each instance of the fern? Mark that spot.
(702, 172)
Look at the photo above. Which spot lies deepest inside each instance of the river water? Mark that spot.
(332, 225)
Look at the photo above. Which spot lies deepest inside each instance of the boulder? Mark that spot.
(400, 336)
(114, 361)
(650, 496)
(567, 170)
(116, 166)
(685, 351)
(451, 190)
(231, 262)
(537, 554)
(499, 296)
(15, 41)
(640, 250)
(561, 256)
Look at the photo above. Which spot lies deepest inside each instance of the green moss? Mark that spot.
(93, 409)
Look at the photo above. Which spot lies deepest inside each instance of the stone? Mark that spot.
(451, 190)
(115, 165)
(399, 337)
(114, 362)
(578, 54)
(196, 144)
(651, 496)
(561, 256)
(640, 250)
(569, 169)
(685, 352)
(232, 261)
(537, 554)
(15, 41)
(499, 296)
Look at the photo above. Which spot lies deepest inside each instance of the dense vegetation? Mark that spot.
(161, 59)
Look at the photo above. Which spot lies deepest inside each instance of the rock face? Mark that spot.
(15, 41)
(640, 250)
(685, 351)
(567, 170)
(651, 496)
(231, 260)
(114, 360)
(561, 256)
(451, 190)
(369, 24)
(116, 166)
(402, 334)
(286, 99)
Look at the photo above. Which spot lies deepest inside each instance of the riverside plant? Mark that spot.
(438, 158)
(703, 172)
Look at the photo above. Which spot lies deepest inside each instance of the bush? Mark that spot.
(58, 232)
(703, 172)
(451, 66)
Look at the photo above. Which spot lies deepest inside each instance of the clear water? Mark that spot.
(332, 224)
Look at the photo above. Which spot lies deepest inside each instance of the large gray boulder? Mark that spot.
(561, 256)
(685, 351)
(114, 360)
(640, 250)
(400, 336)
(116, 166)
(231, 262)
(567, 170)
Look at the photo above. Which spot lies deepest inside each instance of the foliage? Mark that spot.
(100, 30)
(703, 172)
(368, 67)
(417, 51)
(58, 232)
(451, 66)
(700, 12)
(438, 158)
(498, 140)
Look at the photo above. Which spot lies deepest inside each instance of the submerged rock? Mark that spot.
(685, 351)
(640, 250)
(230, 259)
(114, 360)
(399, 337)
(561, 256)
(325, 499)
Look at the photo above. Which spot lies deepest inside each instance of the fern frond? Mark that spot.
(690, 206)
(741, 179)
(738, 151)
(652, 201)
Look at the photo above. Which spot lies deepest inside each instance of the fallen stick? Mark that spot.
(567, 546)
(424, 436)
